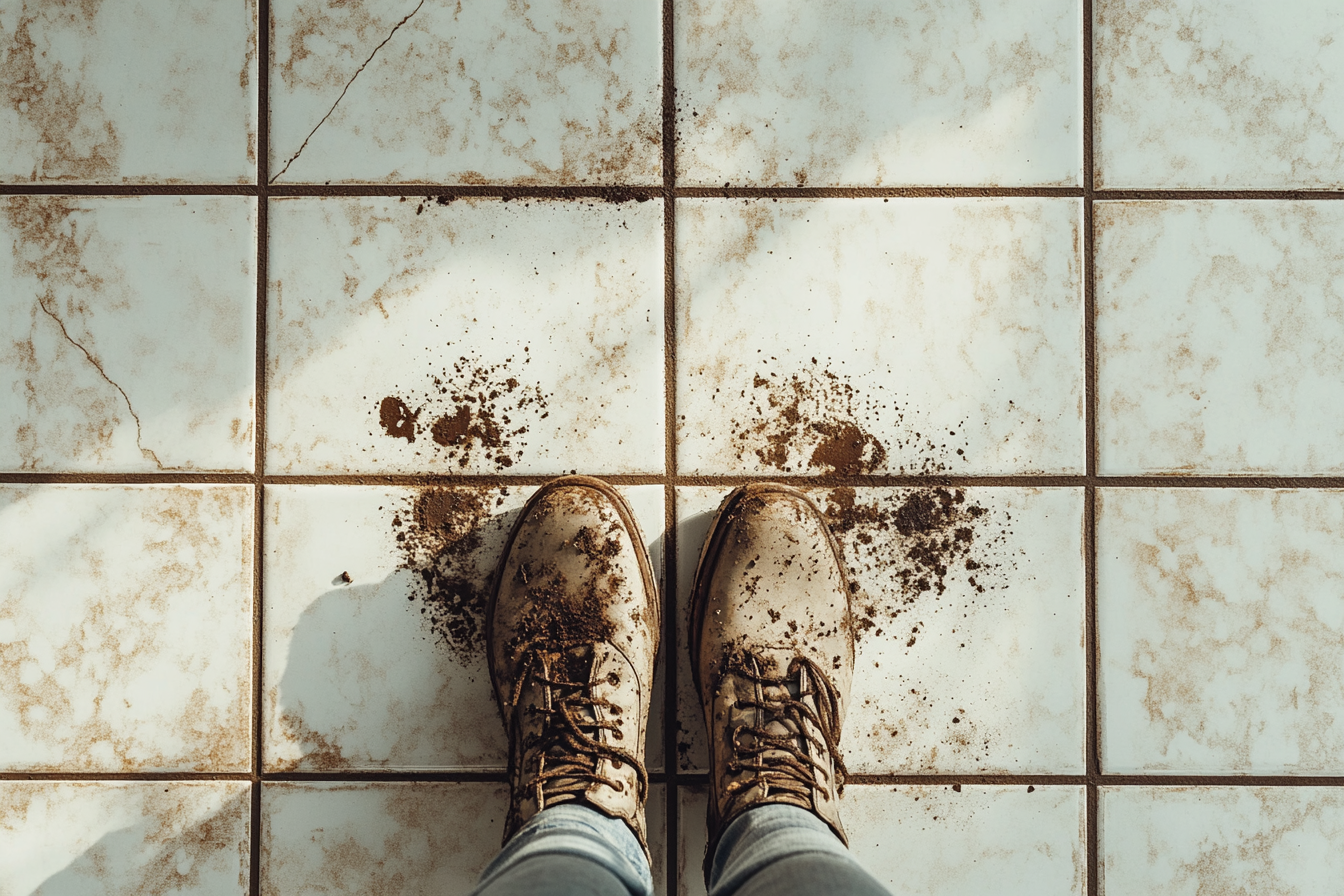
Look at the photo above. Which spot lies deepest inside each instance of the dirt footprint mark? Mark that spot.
(440, 534)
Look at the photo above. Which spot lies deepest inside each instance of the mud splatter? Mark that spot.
(934, 534)
(817, 422)
(472, 410)
(439, 533)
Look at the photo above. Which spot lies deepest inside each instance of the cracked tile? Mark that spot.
(911, 336)
(865, 93)
(1220, 337)
(374, 625)
(548, 92)
(128, 92)
(471, 336)
(396, 839)
(130, 333)
(939, 841)
(153, 838)
(125, 628)
(969, 654)
(1204, 95)
(1221, 631)
(1179, 840)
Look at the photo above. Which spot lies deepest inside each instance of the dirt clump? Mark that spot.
(815, 421)
(470, 411)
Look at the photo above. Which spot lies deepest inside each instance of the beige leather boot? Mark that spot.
(572, 627)
(772, 649)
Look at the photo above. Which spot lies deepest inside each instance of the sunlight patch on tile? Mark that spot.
(473, 336)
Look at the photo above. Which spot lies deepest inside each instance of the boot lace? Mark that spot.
(777, 759)
(568, 740)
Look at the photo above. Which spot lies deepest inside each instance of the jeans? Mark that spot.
(573, 850)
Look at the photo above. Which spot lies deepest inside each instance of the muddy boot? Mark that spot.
(572, 629)
(772, 649)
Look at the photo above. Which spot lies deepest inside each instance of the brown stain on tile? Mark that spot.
(605, 144)
(176, 841)
(1266, 117)
(317, 751)
(79, 141)
(1213, 642)
(115, 642)
(51, 234)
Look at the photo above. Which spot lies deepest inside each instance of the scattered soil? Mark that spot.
(817, 422)
(471, 410)
(431, 201)
(935, 535)
(439, 535)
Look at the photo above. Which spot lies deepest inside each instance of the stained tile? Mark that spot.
(1197, 94)
(864, 93)
(1220, 337)
(394, 839)
(1221, 631)
(941, 840)
(374, 625)
(911, 336)
(476, 336)
(111, 837)
(130, 333)
(969, 646)
(1165, 841)
(548, 92)
(132, 91)
(125, 628)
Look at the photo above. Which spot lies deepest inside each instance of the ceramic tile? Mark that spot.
(969, 647)
(133, 91)
(476, 336)
(1220, 337)
(151, 838)
(547, 92)
(125, 628)
(911, 336)
(1173, 841)
(1196, 94)
(130, 333)
(864, 93)
(1221, 631)
(374, 625)
(941, 839)
(394, 839)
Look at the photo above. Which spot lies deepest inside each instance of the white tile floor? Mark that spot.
(292, 321)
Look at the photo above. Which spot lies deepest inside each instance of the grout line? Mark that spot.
(259, 425)
(671, 548)
(694, 778)
(820, 481)
(1091, 718)
(645, 192)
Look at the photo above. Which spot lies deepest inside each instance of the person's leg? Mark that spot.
(568, 850)
(780, 850)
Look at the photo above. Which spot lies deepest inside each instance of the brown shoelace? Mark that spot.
(795, 770)
(568, 739)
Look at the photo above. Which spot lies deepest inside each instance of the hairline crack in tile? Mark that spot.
(303, 145)
(98, 367)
